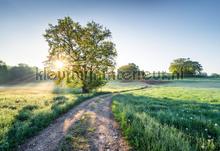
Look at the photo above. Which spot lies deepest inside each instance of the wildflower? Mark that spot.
(191, 118)
(206, 129)
(187, 129)
(216, 124)
(202, 146)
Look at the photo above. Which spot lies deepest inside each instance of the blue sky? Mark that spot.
(149, 33)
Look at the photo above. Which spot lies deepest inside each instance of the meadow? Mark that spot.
(178, 115)
(120, 86)
(26, 109)
(181, 115)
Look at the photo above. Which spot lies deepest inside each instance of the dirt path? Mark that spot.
(105, 136)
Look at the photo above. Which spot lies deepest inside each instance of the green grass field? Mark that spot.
(180, 115)
(117, 86)
(27, 109)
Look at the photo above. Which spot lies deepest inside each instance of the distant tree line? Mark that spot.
(16, 74)
(179, 68)
(22, 73)
(215, 75)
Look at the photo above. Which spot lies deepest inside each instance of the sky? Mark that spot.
(149, 33)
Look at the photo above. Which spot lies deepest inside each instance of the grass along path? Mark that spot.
(170, 118)
(29, 108)
(103, 131)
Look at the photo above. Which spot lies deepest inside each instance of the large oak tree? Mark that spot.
(86, 50)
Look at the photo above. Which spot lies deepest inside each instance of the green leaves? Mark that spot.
(185, 66)
(87, 48)
(130, 72)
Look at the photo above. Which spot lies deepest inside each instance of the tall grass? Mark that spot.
(145, 133)
(27, 109)
(170, 118)
(24, 115)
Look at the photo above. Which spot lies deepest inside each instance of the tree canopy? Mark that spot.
(86, 50)
(215, 75)
(129, 72)
(16, 74)
(185, 67)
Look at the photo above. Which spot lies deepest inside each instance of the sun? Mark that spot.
(59, 64)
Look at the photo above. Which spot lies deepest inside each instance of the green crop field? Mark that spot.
(180, 115)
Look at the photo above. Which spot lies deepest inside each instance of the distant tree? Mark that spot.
(16, 74)
(3, 72)
(215, 75)
(185, 67)
(130, 72)
(86, 50)
(203, 74)
(21, 73)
